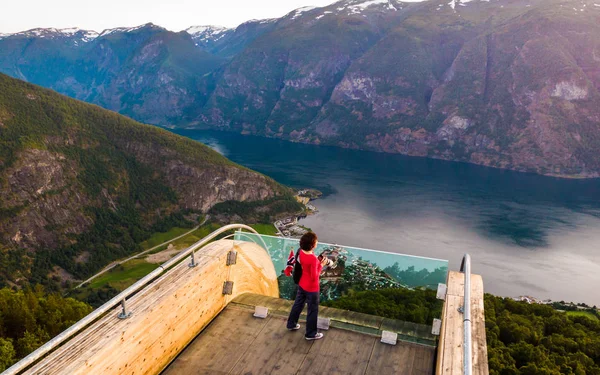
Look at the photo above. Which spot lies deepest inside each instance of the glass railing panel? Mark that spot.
(354, 268)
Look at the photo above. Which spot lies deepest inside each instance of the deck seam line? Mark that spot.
(248, 346)
(305, 356)
(370, 356)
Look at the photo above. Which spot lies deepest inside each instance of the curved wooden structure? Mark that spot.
(166, 315)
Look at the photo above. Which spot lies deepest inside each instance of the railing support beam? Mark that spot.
(467, 360)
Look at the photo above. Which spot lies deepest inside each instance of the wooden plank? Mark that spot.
(451, 350)
(339, 352)
(78, 351)
(456, 283)
(220, 345)
(275, 351)
(424, 361)
(401, 359)
(167, 315)
(480, 358)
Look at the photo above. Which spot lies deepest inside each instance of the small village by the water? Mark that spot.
(289, 226)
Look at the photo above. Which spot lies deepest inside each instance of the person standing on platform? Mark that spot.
(308, 287)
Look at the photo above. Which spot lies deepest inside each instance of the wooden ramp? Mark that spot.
(238, 343)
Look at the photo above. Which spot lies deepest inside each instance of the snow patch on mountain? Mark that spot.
(214, 30)
(261, 21)
(204, 34)
(463, 3)
(358, 6)
(298, 12)
(78, 35)
(323, 15)
(130, 29)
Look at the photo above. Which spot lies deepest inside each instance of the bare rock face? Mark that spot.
(453, 128)
(199, 187)
(45, 205)
(570, 91)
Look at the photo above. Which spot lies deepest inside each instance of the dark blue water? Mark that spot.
(527, 234)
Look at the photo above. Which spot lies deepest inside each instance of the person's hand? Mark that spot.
(324, 261)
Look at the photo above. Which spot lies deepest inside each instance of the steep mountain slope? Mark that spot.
(505, 83)
(80, 185)
(511, 89)
(227, 43)
(146, 72)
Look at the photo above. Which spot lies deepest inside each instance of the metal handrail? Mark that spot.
(465, 267)
(120, 298)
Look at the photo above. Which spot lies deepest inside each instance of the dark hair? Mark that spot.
(308, 241)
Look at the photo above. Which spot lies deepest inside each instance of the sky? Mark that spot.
(174, 15)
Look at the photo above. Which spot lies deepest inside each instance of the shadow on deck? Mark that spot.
(235, 342)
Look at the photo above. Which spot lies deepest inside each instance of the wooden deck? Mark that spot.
(238, 343)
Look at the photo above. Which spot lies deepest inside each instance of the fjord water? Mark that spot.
(527, 234)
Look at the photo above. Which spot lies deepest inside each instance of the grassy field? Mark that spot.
(268, 229)
(160, 237)
(124, 275)
(583, 313)
(195, 236)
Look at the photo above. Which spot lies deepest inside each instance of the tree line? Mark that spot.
(30, 317)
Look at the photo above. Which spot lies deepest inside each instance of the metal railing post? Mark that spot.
(124, 313)
(193, 260)
(466, 269)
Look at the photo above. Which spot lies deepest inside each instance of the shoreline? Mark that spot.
(288, 226)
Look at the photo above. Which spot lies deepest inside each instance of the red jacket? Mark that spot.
(311, 269)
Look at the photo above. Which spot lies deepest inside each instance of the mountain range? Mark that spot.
(504, 83)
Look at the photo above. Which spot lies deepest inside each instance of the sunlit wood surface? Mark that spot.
(238, 343)
(450, 355)
(167, 315)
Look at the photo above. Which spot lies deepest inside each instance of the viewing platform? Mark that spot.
(238, 343)
(195, 315)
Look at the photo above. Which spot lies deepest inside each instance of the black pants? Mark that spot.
(302, 297)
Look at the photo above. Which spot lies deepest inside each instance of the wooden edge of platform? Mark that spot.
(451, 349)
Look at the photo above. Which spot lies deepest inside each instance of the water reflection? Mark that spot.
(528, 234)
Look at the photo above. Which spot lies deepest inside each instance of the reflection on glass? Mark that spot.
(353, 268)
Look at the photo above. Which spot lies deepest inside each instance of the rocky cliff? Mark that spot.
(81, 183)
(504, 83)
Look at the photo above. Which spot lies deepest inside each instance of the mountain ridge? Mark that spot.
(474, 81)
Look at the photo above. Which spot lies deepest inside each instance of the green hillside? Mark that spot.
(81, 186)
